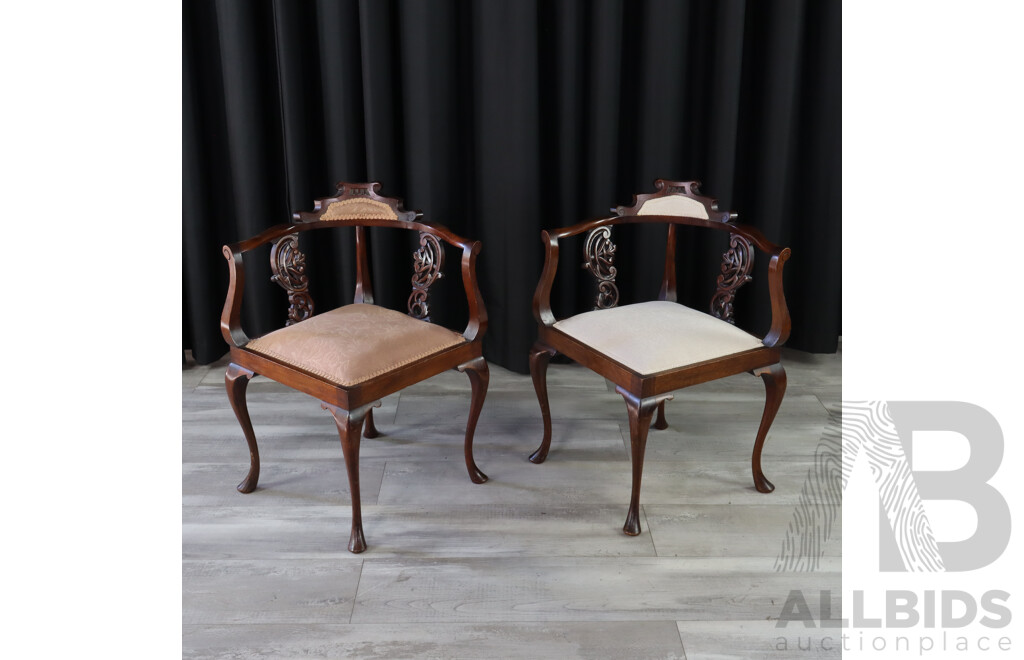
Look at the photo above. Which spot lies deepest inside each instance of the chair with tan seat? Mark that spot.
(649, 349)
(351, 357)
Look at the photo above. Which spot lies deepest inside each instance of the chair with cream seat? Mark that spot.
(352, 356)
(649, 349)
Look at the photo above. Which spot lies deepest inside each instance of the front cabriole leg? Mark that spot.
(774, 378)
(479, 377)
(236, 381)
(350, 427)
(640, 412)
(540, 356)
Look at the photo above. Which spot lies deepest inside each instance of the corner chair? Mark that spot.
(651, 348)
(352, 356)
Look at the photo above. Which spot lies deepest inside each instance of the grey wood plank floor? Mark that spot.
(533, 563)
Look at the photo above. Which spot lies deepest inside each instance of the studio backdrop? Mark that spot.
(500, 118)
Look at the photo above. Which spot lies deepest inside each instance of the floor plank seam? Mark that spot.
(682, 644)
(355, 592)
(647, 522)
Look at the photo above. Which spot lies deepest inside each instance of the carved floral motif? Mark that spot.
(599, 253)
(737, 263)
(289, 266)
(427, 263)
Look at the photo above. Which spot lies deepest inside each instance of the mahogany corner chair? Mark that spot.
(352, 356)
(649, 349)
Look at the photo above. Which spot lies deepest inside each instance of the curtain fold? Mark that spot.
(500, 119)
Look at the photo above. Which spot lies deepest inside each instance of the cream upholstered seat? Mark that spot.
(355, 343)
(650, 349)
(656, 336)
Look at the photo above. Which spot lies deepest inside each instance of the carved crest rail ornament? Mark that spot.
(599, 253)
(427, 263)
(289, 266)
(737, 263)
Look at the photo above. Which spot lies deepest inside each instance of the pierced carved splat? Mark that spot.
(737, 263)
(289, 266)
(599, 255)
(427, 263)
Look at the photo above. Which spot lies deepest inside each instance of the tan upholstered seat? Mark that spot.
(355, 343)
(655, 336)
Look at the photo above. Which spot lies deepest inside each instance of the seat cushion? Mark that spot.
(656, 336)
(355, 343)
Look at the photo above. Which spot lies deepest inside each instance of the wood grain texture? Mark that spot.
(635, 640)
(579, 589)
(268, 591)
(757, 640)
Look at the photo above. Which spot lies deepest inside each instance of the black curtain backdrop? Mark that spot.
(500, 118)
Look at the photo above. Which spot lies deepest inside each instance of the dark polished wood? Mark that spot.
(350, 428)
(599, 259)
(540, 356)
(479, 376)
(369, 428)
(357, 205)
(774, 378)
(661, 423)
(639, 412)
(645, 393)
(737, 262)
(288, 264)
(427, 265)
(236, 379)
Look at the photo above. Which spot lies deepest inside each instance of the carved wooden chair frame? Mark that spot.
(645, 393)
(360, 206)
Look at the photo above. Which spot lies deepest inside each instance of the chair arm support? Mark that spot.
(477, 325)
(778, 333)
(542, 296)
(230, 318)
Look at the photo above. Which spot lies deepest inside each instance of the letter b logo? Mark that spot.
(904, 525)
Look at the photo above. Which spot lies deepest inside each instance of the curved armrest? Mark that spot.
(781, 324)
(230, 317)
(477, 325)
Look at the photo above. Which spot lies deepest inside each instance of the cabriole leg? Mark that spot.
(350, 426)
(774, 378)
(236, 380)
(540, 355)
(640, 412)
(479, 377)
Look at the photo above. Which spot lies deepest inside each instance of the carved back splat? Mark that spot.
(427, 263)
(737, 263)
(289, 266)
(352, 204)
(683, 198)
(599, 259)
